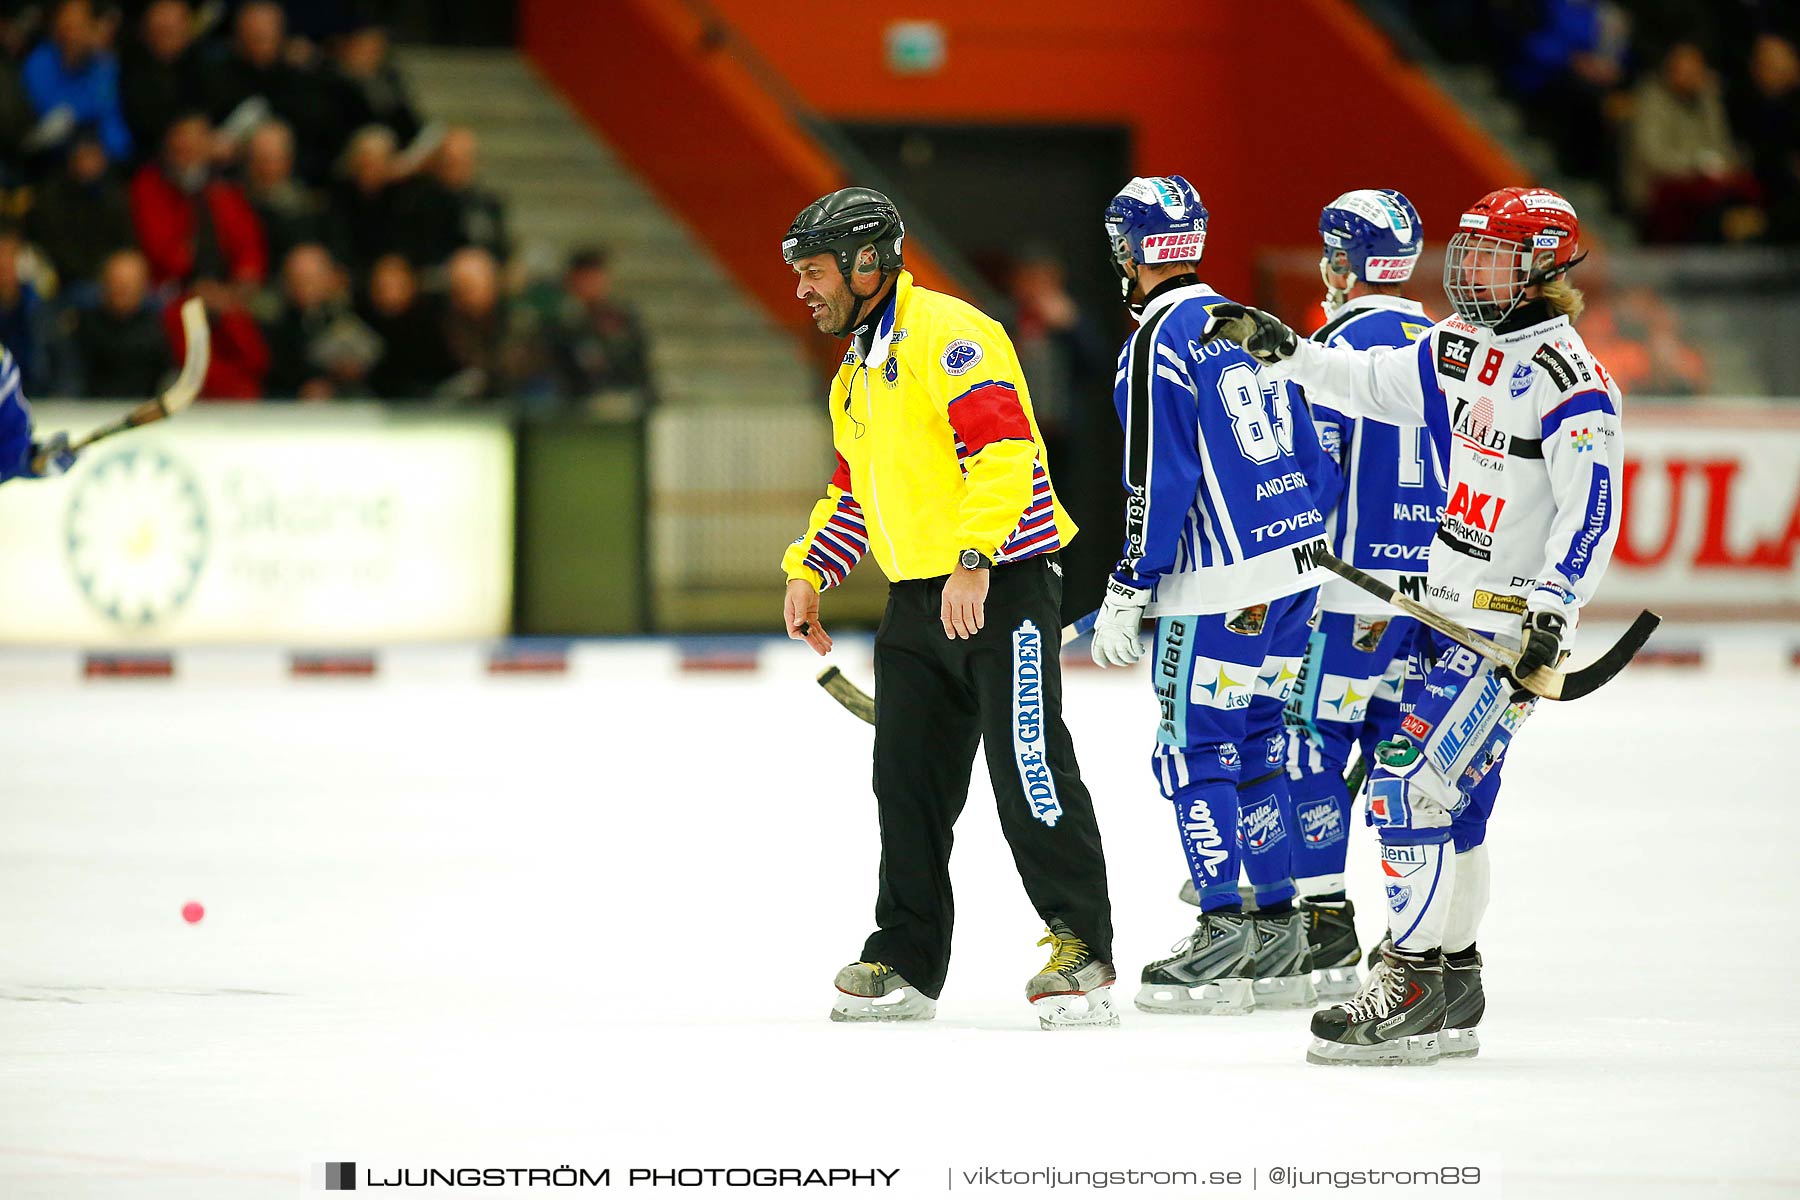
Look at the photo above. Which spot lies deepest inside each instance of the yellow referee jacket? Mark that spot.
(937, 451)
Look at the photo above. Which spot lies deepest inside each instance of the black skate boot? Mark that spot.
(1074, 990)
(1284, 963)
(1211, 972)
(1331, 933)
(1464, 1003)
(1395, 1020)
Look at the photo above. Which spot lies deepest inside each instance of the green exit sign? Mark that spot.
(915, 47)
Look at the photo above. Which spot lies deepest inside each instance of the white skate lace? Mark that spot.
(1378, 996)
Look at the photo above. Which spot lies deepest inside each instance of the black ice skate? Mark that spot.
(876, 992)
(1331, 933)
(1211, 973)
(1395, 1020)
(1074, 990)
(1284, 964)
(1464, 1002)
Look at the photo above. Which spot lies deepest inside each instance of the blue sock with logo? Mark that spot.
(1207, 815)
(1265, 824)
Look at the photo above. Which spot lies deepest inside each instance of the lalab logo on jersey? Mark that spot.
(1474, 428)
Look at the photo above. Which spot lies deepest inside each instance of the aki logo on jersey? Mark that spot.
(1470, 520)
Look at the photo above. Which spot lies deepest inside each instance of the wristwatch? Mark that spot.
(974, 560)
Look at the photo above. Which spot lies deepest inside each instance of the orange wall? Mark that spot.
(1270, 108)
(697, 128)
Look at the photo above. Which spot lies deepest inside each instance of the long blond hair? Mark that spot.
(1564, 298)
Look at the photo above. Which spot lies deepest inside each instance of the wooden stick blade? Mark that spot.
(859, 702)
(186, 387)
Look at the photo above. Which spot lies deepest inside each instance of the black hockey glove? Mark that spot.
(1264, 336)
(1542, 645)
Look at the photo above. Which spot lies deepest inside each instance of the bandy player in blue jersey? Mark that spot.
(17, 451)
(1220, 532)
(1382, 492)
(1527, 424)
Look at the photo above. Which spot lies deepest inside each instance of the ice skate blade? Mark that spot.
(1217, 998)
(1286, 991)
(907, 1004)
(1337, 983)
(1419, 1050)
(1459, 1043)
(1077, 1010)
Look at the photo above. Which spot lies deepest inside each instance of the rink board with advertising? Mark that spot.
(1711, 512)
(295, 526)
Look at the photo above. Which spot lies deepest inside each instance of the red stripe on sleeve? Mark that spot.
(989, 412)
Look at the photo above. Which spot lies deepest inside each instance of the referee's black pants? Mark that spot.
(935, 699)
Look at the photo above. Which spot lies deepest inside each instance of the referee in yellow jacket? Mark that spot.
(941, 473)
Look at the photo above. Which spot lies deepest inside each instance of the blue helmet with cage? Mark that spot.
(1153, 222)
(1373, 234)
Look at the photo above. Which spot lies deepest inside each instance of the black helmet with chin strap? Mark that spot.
(843, 224)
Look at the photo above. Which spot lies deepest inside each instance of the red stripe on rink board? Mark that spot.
(1672, 656)
(128, 666)
(528, 664)
(719, 662)
(355, 665)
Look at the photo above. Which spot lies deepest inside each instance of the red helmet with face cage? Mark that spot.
(1507, 241)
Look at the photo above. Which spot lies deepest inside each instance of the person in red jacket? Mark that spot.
(199, 232)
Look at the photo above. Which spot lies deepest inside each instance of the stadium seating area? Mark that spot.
(270, 160)
(1687, 114)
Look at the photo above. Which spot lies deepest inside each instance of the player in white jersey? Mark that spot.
(1526, 423)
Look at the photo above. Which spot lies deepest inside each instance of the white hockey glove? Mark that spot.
(1115, 641)
(1264, 336)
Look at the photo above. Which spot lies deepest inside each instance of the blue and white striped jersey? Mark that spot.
(1381, 487)
(1219, 511)
(15, 421)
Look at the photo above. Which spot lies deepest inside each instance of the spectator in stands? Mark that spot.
(159, 74)
(80, 217)
(596, 344)
(1768, 120)
(318, 347)
(371, 91)
(121, 351)
(416, 357)
(72, 79)
(191, 224)
(491, 357)
(1682, 178)
(25, 327)
(199, 232)
(16, 122)
(255, 80)
(364, 203)
(291, 213)
(1567, 73)
(443, 210)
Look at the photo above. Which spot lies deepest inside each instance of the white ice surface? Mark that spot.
(594, 921)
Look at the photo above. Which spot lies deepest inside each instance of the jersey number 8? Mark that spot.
(1260, 436)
